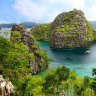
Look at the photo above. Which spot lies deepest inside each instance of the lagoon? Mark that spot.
(81, 60)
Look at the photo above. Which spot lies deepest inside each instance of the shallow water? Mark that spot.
(80, 60)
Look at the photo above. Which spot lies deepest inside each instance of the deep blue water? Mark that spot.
(76, 59)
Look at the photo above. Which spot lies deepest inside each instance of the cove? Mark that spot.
(76, 59)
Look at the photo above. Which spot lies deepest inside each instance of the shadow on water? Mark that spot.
(79, 51)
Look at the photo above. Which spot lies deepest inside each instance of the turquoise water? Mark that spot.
(80, 60)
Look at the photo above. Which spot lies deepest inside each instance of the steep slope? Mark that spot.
(70, 30)
(39, 60)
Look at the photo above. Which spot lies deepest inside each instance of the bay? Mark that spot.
(81, 60)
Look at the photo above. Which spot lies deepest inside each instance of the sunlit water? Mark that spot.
(80, 60)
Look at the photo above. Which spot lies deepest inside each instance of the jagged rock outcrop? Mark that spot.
(71, 30)
(68, 30)
(39, 61)
(6, 87)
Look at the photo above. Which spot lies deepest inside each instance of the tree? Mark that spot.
(54, 78)
(93, 84)
(32, 86)
(14, 61)
(62, 73)
(5, 46)
(88, 92)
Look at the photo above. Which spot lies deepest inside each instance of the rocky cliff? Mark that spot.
(39, 60)
(70, 30)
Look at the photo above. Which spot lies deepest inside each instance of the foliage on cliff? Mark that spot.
(41, 32)
(39, 59)
(71, 29)
(68, 30)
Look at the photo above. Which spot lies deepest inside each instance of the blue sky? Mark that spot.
(42, 10)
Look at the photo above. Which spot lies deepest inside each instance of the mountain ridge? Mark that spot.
(26, 24)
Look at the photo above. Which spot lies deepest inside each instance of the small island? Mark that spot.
(68, 30)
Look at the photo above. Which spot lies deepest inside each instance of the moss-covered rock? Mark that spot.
(70, 30)
(38, 60)
(41, 32)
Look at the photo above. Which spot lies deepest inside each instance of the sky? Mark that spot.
(42, 11)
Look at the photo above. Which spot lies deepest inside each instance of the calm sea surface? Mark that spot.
(80, 60)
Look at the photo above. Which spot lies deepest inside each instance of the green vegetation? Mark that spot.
(71, 30)
(41, 32)
(39, 60)
(77, 31)
(59, 81)
(15, 36)
(13, 61)
(94, 35)
(62, 81)
(14, 64)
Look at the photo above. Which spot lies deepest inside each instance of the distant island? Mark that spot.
(31, 24)
(26, 24)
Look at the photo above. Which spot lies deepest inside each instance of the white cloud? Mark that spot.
(79, 4)
(29, 9)
(90, 12)
(47, 10)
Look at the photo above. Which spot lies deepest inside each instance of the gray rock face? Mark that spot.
(58, 40)
(70, 30)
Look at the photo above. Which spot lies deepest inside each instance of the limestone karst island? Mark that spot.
(47, 48)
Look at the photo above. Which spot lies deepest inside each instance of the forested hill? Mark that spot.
(31, 24)
(26, 24)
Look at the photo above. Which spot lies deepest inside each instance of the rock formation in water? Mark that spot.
(39, 61)
(69, 30)
(6, 87)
